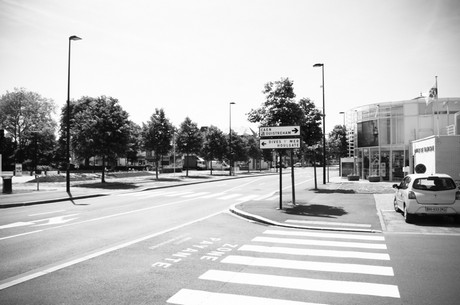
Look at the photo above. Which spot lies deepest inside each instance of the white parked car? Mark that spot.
(425, 194)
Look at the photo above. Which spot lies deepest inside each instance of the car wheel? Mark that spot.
(408, 217)
(395, 203)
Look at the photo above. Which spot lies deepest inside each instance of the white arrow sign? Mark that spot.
(279, 131)
(279, 143)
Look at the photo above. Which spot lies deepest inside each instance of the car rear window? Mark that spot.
(434, 184)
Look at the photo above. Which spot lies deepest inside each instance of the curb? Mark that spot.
(264, 220)
(44, 201)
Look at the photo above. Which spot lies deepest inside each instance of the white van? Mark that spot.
(217, 165)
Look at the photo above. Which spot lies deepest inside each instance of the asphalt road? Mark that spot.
(181, 246)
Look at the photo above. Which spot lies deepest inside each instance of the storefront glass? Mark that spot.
(398, 164)
(385, 165)
(365, 165)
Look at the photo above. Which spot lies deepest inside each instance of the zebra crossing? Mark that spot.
(304, 262)
(236, 197)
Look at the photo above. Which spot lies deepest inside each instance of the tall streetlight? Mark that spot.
(324, 125)
(68, 117)
(230, 136)
(343, 113)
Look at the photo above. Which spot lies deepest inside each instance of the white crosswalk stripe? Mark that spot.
(328, 223)
(200, 297)
(277, 249)
(290, 282)
(197, 195)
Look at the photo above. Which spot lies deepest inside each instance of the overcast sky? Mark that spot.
(192, 58)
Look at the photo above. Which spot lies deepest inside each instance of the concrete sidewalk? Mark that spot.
(340, 205)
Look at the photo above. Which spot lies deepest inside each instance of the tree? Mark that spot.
(254, 150)
(237, 149)
(189, 139)
(23, 113)
(214, 146)
(337, 142)
(134, 143)
(100, 128)
(281, 109)
(157, 135)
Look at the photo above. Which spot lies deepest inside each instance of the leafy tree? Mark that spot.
(40, 148)
(189, 139)
(238, 151)
(337, 142)
(134, 143)
(22, 113)
(254, 150)
(214, 146)
(281, 109)
(157, 135)
(100, 128)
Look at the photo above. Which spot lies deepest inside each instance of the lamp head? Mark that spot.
(73, 37)
(318, 65)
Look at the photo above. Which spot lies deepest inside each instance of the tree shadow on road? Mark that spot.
(109, 185)
(316, 210)
(333, 191)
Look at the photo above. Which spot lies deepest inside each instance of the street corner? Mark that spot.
(316, 214)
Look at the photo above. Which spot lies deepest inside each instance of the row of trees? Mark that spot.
(100, 127)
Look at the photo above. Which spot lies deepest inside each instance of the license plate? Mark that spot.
(436, 209)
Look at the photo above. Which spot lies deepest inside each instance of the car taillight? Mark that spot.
(412, 195)
(457, 195)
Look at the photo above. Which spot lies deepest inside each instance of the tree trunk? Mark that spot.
(103, 169)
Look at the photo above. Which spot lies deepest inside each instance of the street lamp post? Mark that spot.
(230, 136)
(343, 113)
(68, 117)
(324, 125)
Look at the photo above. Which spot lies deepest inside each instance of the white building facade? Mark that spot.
(380, 135)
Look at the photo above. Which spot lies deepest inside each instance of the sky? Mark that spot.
(193, 57)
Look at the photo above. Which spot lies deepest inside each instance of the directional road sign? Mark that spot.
(279, 131)
(279, 143)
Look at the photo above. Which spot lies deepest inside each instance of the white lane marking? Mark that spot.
(315, 252)
(49, 221)
(345, 287)
(174, 194)
(326, 235)
(56, 220)
(264, 197)
(44, 213)
(151, 195)
(200, 297)
(22, 234)
(313, 242)
(195, 195)
(169, 241)
(103, 217)
(247, 198)
(308, 265)
(17, 224)
(214, 195)
(34, 274)
(229, 196)
(344, 224)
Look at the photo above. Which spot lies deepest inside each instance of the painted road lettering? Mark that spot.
(216, 254)
(213, 254)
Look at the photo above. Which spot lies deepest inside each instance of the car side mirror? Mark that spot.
(395, 186)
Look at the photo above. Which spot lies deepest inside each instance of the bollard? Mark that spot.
(7, 185)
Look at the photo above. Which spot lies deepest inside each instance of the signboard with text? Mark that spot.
(279, 143)
(279, 131)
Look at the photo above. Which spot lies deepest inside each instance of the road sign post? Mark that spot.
(281, 137)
